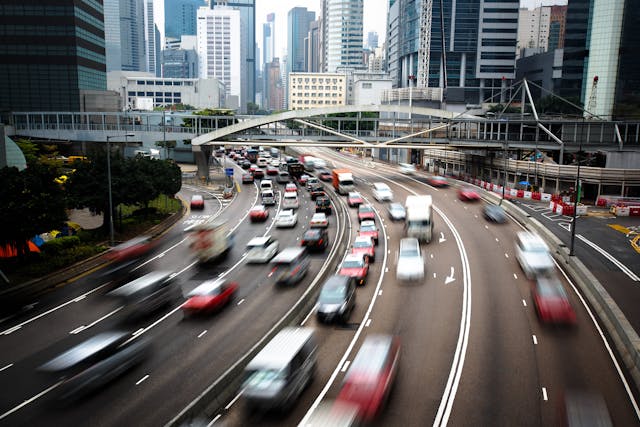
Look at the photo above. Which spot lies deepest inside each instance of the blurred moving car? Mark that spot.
(366, 212)
(333, 414)
(371, 375)
(146, 294)
(397, 212)
(494, 213)
(261, 249)
(551, 301)
(303, 179)
(291, 187)
(247, 178)
(272, 170)
(245, 164)
(354, 265)
(124, 258)
(197, 201)
(407, 168)
(382, 192)
(95, 362)
(258, 213)
(323, 204)
(319, 220)
(317, 190)
(580, 408)
(290, 265)
(258, 173)
(210, 296)
(337, 299)
(533, 254)
(315, 239)
(468, 194)
(438, 181)
(312, 180)
(410, 263)
(324, 175)
(364, 246)
(368, 228)
(354, 199)
(279, 373)
(290, 200)
(286, 218)
(268, 198)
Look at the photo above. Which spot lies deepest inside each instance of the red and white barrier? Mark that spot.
(545, 197)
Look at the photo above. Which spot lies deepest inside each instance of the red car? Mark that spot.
(209, 296)
(258, 213)
(354, 200)
(303, 179)
(354, 265)
(131, 249)
(468, 194)
(368, 228)
(551, 301)
(197, 202)
(247, 178)
(364, 246)
(325, 175)
(291, 187)
(438, 181)
(371, 375)
(272, 170)
(366, 212)
(258, 173)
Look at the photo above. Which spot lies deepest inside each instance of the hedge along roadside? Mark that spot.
(625, 339)
(223, 389)
(19, 295)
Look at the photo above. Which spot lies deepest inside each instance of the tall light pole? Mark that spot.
(111, 233)
(575, 202)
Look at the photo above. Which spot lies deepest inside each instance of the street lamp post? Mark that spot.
(575, 203)
(111, 232)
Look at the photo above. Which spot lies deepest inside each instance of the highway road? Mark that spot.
(473, 350)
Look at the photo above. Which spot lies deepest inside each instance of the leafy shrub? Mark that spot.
(56, 246)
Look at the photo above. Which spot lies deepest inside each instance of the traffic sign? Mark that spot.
(228, 171)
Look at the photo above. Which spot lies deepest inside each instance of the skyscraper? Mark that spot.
(180, 18)
(480, 39)
(268, 52)
(298, 20)
(40, 70)
(342, 22)
(219, 49)
(124, 27)
(372, 40)
(312, 48)
(151, 39)
(556, 27)
(533, 28)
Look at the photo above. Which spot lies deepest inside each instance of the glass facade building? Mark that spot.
(298, 21)
(342, 31)
(180, 17)
(49, 52)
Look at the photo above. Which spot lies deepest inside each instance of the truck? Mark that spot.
(308, 161)
(295, 170)
(419, 219)
(209, 240)
(342, 180)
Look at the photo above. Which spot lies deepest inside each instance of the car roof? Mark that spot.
(141, 283)
(354, 257)
(288, 254)
(258, 208)
(281, 349)
(314, 231)
(364, 238)
(371, 357)
(207, 287)
(85, 350)
(197, 197)
(319, 215)
(259, 241)
(354, 194)
(367, 223)
(409, 243)
(381, 185)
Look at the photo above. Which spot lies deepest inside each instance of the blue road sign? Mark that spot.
(228, 171)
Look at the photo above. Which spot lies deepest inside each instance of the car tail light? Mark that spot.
(320, 241)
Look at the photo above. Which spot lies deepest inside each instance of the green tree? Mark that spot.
(554, 105)
(211, 123)
(32, 203)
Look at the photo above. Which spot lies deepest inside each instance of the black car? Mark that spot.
(323, 204)
(494, 213)
(246, 164)
(315, 239)
(316, 191)
(337, 299)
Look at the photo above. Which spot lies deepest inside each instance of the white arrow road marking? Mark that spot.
(450, 278)
(442, 239)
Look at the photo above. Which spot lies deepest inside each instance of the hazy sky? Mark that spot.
(375, 16)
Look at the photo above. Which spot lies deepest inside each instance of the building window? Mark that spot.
(367, 85)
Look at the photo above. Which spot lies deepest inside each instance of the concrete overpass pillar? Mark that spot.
(202, 154)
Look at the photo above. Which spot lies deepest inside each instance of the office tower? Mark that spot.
(312, 48)
(124, 27)
(151, 39)
(342, 22)
(298, 20)
(480, 39)
(179, 63)
(533, 29)
(41, 71)
(556, 27)
(180, 18)
(269, 38)
(372, 40)
(219, 49)
(275, 101)
(247, 10)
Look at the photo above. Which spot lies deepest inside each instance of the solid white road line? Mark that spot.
(610, 257)
(6, 367)
(79, 298)
(217, 417)
(141, 380)
(234, 400)
(506, 255)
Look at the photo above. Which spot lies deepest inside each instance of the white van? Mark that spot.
(268, 198)
(276, 377)
(266, 184)
(290, 200)
(262, 162)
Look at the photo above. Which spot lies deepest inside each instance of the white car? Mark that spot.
(319, 220)
(410, 263)
(382, 192)
(286, 218)
(407, 168)
(533, 254)
(261, 249)
(290, 200)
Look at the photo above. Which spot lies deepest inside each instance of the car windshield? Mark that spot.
(354, 195)
(333, 293)
(368, 228)
(409, 253)
(550, 289)
(362, 244)
(366, 209)
(311, 235)
(264, 376)
(319, 218)
(353, 263)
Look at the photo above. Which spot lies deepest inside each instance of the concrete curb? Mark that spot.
(625, 339)
(223, 389)
(20, 295)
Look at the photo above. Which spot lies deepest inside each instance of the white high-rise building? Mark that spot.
(533, 28)
(151, 39)
(219, 49)
(342, 22)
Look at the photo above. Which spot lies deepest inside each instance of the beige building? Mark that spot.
(316, 90)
